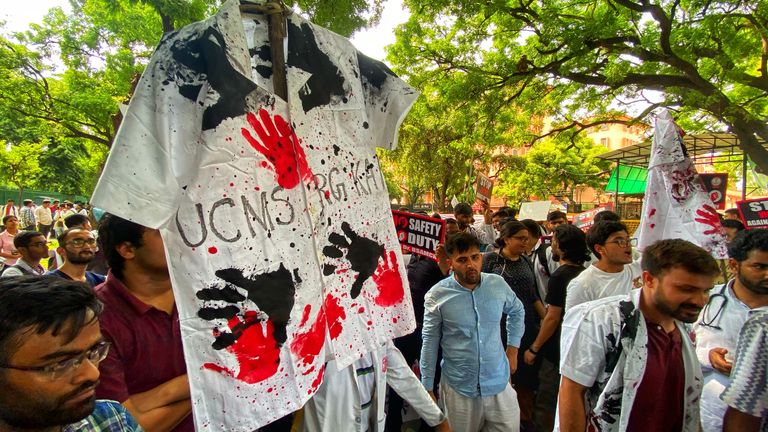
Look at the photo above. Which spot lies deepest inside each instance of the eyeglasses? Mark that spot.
(624, 242)
(38, 244)
(82, 242)
(523, 239)
(67, 367)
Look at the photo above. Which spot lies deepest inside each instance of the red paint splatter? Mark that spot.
(652, 212)
(327, 194)
(394, 320)
(231, 184)
(708, 216)
(388, 281)
(278, 142)
(269, 390)
(361, 310)
(370, 323)
(212, 250)
(652, 226)
(316, 383)
(257, 352)
(305, 315)
(307, 345)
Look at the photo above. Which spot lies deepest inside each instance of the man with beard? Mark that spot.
(461, 315)
(50, 347)
(141, 322)
(77, 247)
(717, 330)
(628, 362)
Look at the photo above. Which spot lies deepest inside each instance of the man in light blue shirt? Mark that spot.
(461, 316)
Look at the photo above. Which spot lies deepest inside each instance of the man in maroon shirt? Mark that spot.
(145, 368)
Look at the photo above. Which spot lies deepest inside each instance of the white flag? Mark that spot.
(676, 204)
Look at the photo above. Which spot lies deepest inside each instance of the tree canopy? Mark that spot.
(706, 60)
(62, 80)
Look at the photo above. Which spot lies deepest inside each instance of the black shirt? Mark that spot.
(556, 293)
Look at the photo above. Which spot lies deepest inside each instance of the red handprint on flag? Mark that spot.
(388, 281)
(279, 144)
(708, 216)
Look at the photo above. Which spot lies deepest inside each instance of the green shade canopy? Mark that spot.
(631, 180)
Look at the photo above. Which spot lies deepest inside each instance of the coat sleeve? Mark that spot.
(405, 383)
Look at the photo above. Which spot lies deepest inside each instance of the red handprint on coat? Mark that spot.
(279, 144)
(708, 216)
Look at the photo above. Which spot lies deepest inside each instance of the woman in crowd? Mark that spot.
(511, 263)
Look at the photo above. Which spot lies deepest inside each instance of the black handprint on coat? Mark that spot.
(362, 253)
(272, 292)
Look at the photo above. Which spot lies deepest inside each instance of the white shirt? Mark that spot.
(593, 284)
(249, 190)
(718, 326)
(592, 333)
(43, 215)
(338, 404)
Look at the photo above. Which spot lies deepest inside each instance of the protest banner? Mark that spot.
(418, 234)
(484, 188)
(716, 184)
(585, 219)
(754, 212)
(676, 205)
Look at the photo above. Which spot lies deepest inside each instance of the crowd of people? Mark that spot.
(521, 325)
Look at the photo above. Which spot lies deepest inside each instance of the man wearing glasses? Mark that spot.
(33, 247)
(717, 330)
(610, 275)
(78, 247)
(50, 347)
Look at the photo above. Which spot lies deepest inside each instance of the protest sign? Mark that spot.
(536, 210)
(585, 219)
(484, 188)
(418, 234)
(716, 184)
(754, 212)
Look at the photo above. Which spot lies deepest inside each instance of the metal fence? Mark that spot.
(37, 196)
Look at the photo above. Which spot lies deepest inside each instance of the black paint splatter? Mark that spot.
(272, 292)
(374, 72)
(206, 58)
(326, 79)
(362, 253)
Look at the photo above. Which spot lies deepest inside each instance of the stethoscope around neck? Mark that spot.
(713, 311)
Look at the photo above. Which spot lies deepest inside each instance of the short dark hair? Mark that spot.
(509, 229)
(461, 242)
(572, 242)
(114, 231)
(598, 234)
(733, 223)
(733, 211)
(556, 214)
(670, 253)
(451, 221)
(74, 220)
(532, 227)
(62, 238)
(512, 212)
(502, 213)
(42, 304)
(463, 209)
(606, 215)
(746, 241)
(24, 238)
(6, 217)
